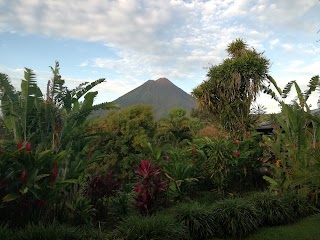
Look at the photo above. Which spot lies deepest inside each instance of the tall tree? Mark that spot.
(233, 85)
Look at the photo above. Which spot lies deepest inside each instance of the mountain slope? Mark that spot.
(161, 94)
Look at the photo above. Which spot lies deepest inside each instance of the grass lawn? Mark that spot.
(306, 229)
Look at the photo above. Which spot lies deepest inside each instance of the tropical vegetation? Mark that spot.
(67, 174)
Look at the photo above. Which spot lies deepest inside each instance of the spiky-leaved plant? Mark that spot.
(197, 219)
(149, 187)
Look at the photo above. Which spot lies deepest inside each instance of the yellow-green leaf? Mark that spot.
(9, 197)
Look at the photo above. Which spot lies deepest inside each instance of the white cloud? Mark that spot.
(287, 47)
(286, 12)
(175, 38)
(274, 42)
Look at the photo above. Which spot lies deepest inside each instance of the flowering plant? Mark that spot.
(31, 180)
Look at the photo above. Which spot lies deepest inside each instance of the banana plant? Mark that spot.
(296, 136)
(31, 97)
(55, 122)
(9, 106)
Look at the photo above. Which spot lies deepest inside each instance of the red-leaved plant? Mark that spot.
(149, 187)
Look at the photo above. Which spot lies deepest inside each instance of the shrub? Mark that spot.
(99, 190)
(48, 232)
(272, 210)
(150, 186)
(197, 219)
(121, 203)
(80, 211)
(150, 227)
(299, 204)
(101, 186)
(236, 217)
(180, 170)
(57, 231)
(32, 182)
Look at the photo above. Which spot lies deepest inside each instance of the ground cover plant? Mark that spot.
(198, 220)
(158, 226)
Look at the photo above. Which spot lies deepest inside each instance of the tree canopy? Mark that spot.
(232, 86)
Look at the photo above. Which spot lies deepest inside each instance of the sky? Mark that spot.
(131, 41)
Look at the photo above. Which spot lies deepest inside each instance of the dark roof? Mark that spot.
(268, 125)
(264, 125)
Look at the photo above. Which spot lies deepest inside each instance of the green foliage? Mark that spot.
(52, 123)
(5, 232)
(56, 231)
(246, 168)
(236, 217)
(294, 144)
(150, 227)
(5, 133)
(233, 85)
(300, 205)
(176, 130)
(122, 202)
(81, 211)
(124, 137)
(272, 209)
(52, 130)
(180, 171)
(219, 155)
(229, 164)
(32, 182)
(9, 105)
(197, 219)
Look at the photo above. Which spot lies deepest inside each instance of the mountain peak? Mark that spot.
(162, 94)
(163, 81)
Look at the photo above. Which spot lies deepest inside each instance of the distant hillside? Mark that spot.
(161, 94)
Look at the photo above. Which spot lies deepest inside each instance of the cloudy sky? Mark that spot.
(131, 41)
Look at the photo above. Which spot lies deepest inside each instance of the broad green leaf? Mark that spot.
(270, 180)
(10, 197)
